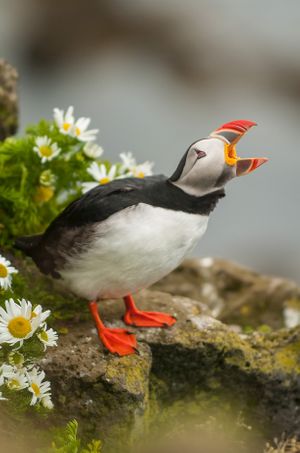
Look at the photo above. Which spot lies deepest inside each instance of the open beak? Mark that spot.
(245, 166)
(231, 133)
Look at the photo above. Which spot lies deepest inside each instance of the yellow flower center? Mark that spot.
(140, 174)
(3, 271)
(46, 151)
(36, 389)
(43, 194)
(77, 131)
(33, 315)
(19, 327)
(13, 384)
(104, 180)
(44, 335)
(66, 126)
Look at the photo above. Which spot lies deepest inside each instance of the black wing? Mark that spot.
(71, 231)
(104, 200)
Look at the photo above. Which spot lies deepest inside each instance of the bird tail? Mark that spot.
(28, 243)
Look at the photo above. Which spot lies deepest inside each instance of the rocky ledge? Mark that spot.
(200, 358)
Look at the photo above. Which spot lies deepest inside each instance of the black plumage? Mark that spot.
(72, 230)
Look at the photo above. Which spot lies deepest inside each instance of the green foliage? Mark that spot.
(67, 441)
(47, 168)
(33, 192)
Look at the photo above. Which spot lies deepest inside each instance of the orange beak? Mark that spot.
(245, 166)
(231, 133)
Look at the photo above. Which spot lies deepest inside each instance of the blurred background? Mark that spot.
(155, 76)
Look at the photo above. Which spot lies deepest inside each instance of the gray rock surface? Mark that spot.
(112, 396)
(8, 100)
(234, 294)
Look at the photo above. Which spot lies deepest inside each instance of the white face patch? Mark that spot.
(200, 176)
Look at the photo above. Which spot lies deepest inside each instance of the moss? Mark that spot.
(201, 410)
(30, 284)
(293, 303)
(130, 373)
(288, 358)
(264, 328)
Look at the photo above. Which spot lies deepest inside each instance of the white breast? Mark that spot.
(133, 249)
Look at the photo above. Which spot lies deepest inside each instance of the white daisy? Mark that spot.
(142, 170)
(64, 121)
(41, 391)
(128, 160)
(100, 175)
(48, 337)
(6, 271)
(16, 380)
(19, 322)
(79, 130)
(38, 316)
(45, 148)
(5, 370)
(139, 171)
(92, 150)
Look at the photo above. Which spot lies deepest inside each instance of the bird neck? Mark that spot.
(203, 204)
(196, 191)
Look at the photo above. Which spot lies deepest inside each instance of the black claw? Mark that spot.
(137, 351)
(129, 332)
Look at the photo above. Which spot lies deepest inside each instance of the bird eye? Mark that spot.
(200, 153)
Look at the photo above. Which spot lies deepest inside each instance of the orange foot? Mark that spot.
(148, 319)
(118, 341)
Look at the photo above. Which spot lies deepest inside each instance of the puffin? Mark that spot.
(125, 235)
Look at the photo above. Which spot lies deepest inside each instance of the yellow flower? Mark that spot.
(43, 194)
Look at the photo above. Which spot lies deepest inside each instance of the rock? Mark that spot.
(234, 294)
(8, 100)
(199, 356)
(197, 365)
(107, 394)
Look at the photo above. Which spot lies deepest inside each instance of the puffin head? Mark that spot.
(211, 162)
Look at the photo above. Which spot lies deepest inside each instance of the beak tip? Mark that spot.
(261, 161)
(245, 166)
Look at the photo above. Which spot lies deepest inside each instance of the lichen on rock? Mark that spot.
(200, 363)
(257, 373)
(235, 295)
